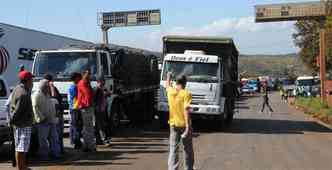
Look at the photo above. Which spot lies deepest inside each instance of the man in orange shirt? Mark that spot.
(179, 100)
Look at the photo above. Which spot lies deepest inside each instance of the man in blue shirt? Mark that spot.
(75, 123)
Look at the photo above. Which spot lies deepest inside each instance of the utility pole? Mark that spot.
(322, 59)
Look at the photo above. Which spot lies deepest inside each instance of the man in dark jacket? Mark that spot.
(100, 97)
(22, 117)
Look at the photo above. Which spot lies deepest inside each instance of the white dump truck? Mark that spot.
(210, 65)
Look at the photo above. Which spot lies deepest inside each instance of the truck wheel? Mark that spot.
(229, 113)
(220, 122)
(229, 118)
(163, 120)
(115, 116)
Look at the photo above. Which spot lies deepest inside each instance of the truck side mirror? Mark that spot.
(153, 65)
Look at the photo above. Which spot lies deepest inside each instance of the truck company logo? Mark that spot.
(2, 32)
(190, 59)
(4, 59)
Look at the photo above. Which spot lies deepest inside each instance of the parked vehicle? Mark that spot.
(250, 87)
(131, 77)
(4, 126)
(306, 86)
(211, 66)
(269, 81)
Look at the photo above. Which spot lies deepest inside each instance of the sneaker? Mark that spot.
(89, 150)
(56, 158)
(100, 143)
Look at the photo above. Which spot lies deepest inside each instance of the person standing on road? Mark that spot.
(266, 99)
(102, 132)
(75, 115)
(46, 120)
(179, 100)
(85, 103)
(22, 117)
(259, 85)
(55, 94)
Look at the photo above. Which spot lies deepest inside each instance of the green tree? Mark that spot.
(307, 39)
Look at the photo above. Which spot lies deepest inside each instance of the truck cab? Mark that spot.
(203, 81)
(62, 63)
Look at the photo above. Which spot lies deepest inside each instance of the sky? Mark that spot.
(222, 18)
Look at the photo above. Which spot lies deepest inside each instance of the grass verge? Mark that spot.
(315, 107)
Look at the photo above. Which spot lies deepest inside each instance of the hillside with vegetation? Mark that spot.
(288, 65)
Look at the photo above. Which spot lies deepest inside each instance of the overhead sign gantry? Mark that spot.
(290, 11)
(299, 11)
(109, 20)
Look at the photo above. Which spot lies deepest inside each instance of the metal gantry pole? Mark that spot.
(322, 59)
(105, 34)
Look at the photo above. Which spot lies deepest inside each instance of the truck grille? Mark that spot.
(65, 103)
(199, 99)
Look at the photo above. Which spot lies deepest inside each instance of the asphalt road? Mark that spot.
(284, 140)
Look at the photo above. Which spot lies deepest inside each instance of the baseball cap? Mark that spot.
(25, 75)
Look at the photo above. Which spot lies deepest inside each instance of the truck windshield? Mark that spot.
(306, 82)
(64, 63)
(195, 72)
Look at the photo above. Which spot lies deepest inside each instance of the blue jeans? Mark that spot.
(73, 133)
(60, 128)
(48, 140)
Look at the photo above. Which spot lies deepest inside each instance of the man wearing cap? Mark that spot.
(85, 103)
(22, 117)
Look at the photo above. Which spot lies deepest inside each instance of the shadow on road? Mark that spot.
(270, 126)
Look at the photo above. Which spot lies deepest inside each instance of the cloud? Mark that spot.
(249, 36)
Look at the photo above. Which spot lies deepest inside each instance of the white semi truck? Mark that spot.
(210, 65)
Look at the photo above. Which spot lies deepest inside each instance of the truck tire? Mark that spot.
(219, 121)
(163, 120)
(150, 106)
(229, 112)
(115, 116)
(229, 118)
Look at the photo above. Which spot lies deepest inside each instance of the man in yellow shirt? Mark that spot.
(179, 100)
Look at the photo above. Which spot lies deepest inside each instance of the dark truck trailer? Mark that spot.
(226, 88)
(137, 77)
